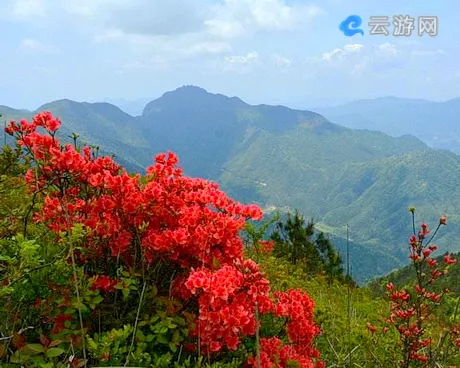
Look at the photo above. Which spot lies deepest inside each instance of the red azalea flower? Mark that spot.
(266, 246)
(104, 283)
(59, 322)
(371, 327)
(448, 260)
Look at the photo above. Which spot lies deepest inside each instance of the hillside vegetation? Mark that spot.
(285, 159)
(102, 268)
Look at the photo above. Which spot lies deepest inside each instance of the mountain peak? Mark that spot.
(189, 97)
(189, 88)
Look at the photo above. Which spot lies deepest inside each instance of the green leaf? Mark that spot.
(32, 349)
(140, 335)
(154, 291)
(179, 320)
(176, 337)
(173, 347)
(54, 352)
(92, 344)
(46, 365)
(18, 358)
(162, 339)
(98, 299)
(161, 314)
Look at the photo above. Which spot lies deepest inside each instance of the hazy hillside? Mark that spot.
(436, 123)
(101, 124)
(406, 276)
(286, 159)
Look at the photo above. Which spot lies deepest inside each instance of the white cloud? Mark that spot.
(240, 63)
(155, 62)
(280, 61)
(357, 59)
(185, 28)
(113, 35)
(254, 61)
(81, 9)
(174, 29)
(238, 17)
(171, 48)
(29, 44)
(228, 19)
(224, 28)
(355, 47)
(207, 48)
(144, 17)
(334, 54)
(385, 58)
(248, 59)
(428, 52)
(387, 50)
(26, 9)
(340, 54)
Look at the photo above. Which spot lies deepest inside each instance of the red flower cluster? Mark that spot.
(448, 260)
(227, 300)
(455, 335)
(188, 223)
(266, 246)
(371, 327)
(59, 322)
(274, 354)
(297, 308)
(43, 119)
(103, 283)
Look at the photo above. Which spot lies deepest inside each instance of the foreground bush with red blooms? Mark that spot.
(425, 340)
(141, 271)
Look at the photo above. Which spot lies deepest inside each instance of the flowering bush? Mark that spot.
(155, 267)
(413, 309)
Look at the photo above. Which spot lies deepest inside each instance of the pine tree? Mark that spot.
(331, 260)
(297, 241)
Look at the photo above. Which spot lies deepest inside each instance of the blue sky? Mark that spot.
(264, 51)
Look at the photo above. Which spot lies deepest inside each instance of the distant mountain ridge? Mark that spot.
(435, 123)
(284, 159)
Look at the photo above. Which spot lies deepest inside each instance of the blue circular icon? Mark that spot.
(350, 26)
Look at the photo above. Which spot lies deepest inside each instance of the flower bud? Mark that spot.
(443, 220)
